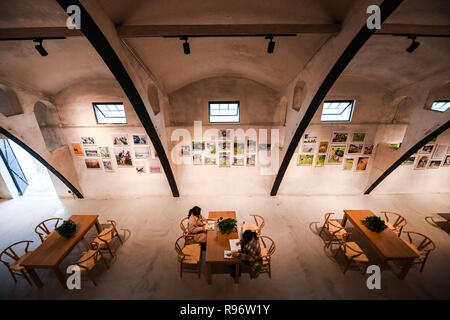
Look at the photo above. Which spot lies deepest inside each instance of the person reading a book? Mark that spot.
(250, 253)
(196, 224)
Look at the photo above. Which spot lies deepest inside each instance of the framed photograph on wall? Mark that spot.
(339, 137)
(139, 165)
(358, 137)
(224, 159)
(251, 145)
(104, 152)
(211, 147)
(120, 140)
(427, 149)
(92, 163)
(310, 138)
(355, 148)
(323, 147)
(320, 160)
(238, 161)
(251, 160)
(361, 165)
(224, 134)
(91, 152)
(368, 148)
(434, 164)
(107, 166)
(198, 145)
(197, 159)
(123, 157)
(239, 148)
(77, 150)
(186, 151)
(224, 145)
(308, 147)
(140, 139)
(141, 152)
(446, 162)
(348, 163)
(305, 160)
(155, 165)
(410, 160)
(88, 141)
(210, 160)
(422, 162)
(336, 154)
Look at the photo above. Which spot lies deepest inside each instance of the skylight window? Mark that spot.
(224, 112)
(110, 113)
(337, 111)
(440, 106)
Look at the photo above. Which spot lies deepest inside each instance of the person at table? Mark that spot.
(250, 253)
(197, 224)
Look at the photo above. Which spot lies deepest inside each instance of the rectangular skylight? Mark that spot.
(337, 111)
(440, 106)
(224, 112)
(110, 113)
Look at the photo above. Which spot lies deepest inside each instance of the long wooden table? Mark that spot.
(386, 243)
(215, 246)
(55, 248)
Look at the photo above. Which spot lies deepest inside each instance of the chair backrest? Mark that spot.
(328, 221)
(399, 221)
(182, 226)
(420, 241)
(179, 245)
(95, 256)
(13, 251)
(42, 228)
(260, 224)
(353, 252)
(113, 225)
(270, 246)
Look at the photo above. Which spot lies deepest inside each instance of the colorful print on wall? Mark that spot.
(409, 161)
(92, 163)
(141, 152)
(140, 139)
(91, 152)
(446, 162)
(348, 163)
(361, 165)
(123, 157)
(224, 134)
(77, 150)
(422, 162)
(197, 159)
(225, 145)
(358, 137)
(355, 148)
(251, 160)
(368, 148)
(198, 146)
(238, 161)
(305, 159)
(339, 137)
(186, 151)
(336, 154)
(264, 146)
(209, 160)
(224, 159)
(139, 165)
(104, 152)
(211, 147)
(251, 145)
(427, 149)
(308, 148)
(107, 165)
(309, 138)
(155, 165)
(88, 141)
(320, 161)
(120, 139)
(323, 147)
(434, 164)
(239, 148)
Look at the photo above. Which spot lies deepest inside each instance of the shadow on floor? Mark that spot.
(441, 224)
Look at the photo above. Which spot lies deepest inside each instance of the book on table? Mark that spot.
(234, 246)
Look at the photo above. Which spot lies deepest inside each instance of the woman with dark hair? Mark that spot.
(250, 253)
(196, 224)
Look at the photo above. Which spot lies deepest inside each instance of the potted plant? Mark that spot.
(374, 223)
(226, 226)
(67, 228)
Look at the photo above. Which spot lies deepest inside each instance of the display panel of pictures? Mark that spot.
(339, 137)
(427, 149)
(348, 163)
(224, 159)
(358, 137)
(140, 139)
(434, 164)
(251, 145)
(251, 160)
(141, 152)
(336, 154)
(211, 147)
(108, 166)
(92, 163)
(305, 159)
(120, 139)
(320, 160)
(210, 160)
(422, 162)
(239, 148)
(88, 141)
(368, 148)
(323, 147)
(91, 152)
(155, 165)
(104, 152)
(355, 148)
(139, 165)
(238, 161)
(361, 165)
(123, 157)
(197, 159)
(77, 150)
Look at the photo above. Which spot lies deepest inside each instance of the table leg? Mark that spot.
(98, 226)
(344, 220)
(405, 269)
(60, 277)
(236, 276)
(37, 281)
(209, 273)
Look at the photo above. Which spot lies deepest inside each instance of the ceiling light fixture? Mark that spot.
(271, 45)
(40, 48)
(413, 45)
(186, 48)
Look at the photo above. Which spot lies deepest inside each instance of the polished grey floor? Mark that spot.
(146, 265)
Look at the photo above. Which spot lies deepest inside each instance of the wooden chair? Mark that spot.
(189, 255)
(398, 221)
(43, 230)
(184, 228)
(105, 238)
(266, 253)
(89, 260)
(257, 226)
(422, 245)
(354, 254)
(334, 228)
(13, 264)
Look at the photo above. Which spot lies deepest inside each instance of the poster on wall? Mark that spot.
(224, 159)
(197, 159)
(427, 149)
(355, 148)
(155, 165)
(422, 162)
(305, 160)
(358, 137)
(323, 147)
(439, 151)
(225, 145)
(251, 160)
(368, 148)
(446, 162)
(140, 166)
(91, 152)
(309, 138)
(361, 165)
(107, 165)
(123, 157)
(88, 141)
(92, 163)
(320, 161)
(76, 147)
(238, 161)
(348, 163)
(239, 148)
(104, 152)
(308, 148)
(140, 139)
(251, 145)
(224, 134)
(120, 139)
(339, 137)
(434, 164)
(211, 147)
(141, 152)
(198, 145)
(336, 154)
(209, 160)
(186, 151)
(409, 161)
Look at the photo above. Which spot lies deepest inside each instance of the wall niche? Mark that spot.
(48, 121)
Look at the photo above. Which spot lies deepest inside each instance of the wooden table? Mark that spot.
(215, 246)
(55, 248)
(386, 243)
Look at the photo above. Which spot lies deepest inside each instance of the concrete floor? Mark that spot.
(146, 265)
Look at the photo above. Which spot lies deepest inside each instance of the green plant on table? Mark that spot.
(226, 226)
(375, 223)
(67, 228)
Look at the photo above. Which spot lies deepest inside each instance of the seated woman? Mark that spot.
(250, 253)
(196, 225)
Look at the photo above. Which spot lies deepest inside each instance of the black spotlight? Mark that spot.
(40, 48)
(271, 45)
(186, 48)
(413, 45)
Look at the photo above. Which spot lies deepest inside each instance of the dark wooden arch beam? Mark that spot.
(98, 40)
(407, 154)
(9, 135)
(386, 8)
